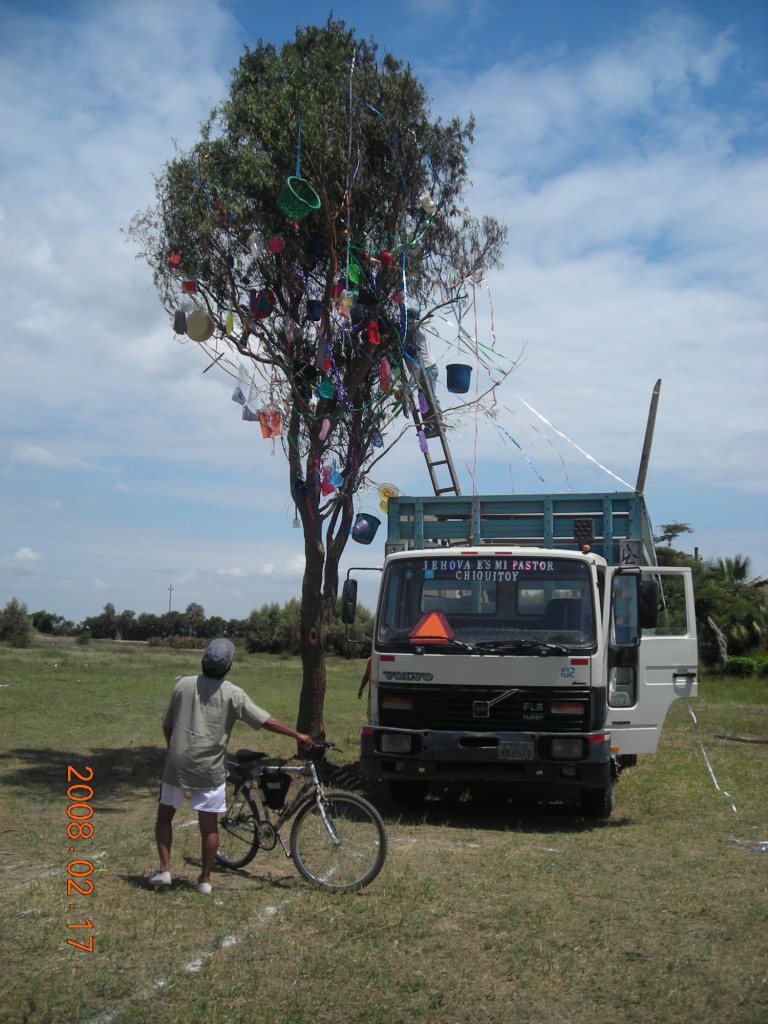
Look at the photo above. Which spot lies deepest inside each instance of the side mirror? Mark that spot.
(348, 601)
(649, 604)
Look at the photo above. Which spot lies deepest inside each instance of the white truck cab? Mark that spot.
(524, 640)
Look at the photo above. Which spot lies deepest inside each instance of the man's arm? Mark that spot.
(167, 733)
(275, 725)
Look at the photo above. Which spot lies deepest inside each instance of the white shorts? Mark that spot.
(213, 800)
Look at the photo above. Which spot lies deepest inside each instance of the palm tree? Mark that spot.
(730, 597)
(735, 569)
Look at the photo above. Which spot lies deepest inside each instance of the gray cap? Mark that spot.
(218, 657)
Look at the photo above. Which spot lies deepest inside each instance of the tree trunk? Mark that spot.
(313, 633)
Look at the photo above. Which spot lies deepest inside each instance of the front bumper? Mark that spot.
(447, 756)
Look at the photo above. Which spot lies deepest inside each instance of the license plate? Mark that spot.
(520, 751)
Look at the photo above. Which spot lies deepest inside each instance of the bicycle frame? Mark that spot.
(312, 785)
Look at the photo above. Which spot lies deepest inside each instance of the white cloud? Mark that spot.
(295, 565)
(25, 556)
(43, 458)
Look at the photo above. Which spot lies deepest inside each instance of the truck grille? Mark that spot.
(480, 709)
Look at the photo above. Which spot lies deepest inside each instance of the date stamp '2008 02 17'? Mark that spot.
(79, 812)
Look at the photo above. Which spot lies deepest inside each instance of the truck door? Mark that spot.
(644, 680)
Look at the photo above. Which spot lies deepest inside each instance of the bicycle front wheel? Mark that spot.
(339, 841)
(238, 835)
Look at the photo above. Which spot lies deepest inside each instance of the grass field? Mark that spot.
(482, 913)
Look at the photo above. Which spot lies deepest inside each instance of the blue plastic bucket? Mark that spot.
(364, 528)
(458, 377)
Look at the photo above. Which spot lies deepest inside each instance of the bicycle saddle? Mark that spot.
(250, 755)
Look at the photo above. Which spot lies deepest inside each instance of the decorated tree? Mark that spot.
(304, 242)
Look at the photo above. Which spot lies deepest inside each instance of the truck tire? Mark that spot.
(598, 803)
(408, 793)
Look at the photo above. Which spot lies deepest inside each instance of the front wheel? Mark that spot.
(598, 803)
(339, 841)
(238, 835)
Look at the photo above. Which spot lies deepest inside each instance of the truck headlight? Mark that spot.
(566, 748)
(395, 743)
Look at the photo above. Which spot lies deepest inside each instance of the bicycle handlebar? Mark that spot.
(323, 745)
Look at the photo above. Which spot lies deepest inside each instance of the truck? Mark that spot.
(523, 642)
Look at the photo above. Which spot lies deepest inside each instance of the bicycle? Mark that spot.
(338, 840)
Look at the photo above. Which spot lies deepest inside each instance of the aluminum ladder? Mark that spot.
(430, 422)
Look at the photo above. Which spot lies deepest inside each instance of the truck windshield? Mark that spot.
(482, 603)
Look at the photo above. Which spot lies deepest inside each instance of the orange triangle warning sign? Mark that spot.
(431, 628)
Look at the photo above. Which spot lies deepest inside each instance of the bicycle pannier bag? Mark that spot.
(276, 787)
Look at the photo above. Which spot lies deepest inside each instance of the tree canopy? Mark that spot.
(304, 241)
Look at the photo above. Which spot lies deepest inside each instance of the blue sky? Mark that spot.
(624, 144)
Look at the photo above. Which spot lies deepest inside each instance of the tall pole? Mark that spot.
(170, 592)
(646, 454)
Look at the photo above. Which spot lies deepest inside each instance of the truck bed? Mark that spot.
(620, 521)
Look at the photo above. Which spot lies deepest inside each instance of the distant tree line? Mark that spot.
(271, 629)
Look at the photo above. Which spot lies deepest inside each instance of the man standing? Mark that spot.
(197, 724)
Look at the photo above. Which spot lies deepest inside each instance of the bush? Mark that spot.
(15, 624)
(179, 643)
(762, 670)
(742, 668)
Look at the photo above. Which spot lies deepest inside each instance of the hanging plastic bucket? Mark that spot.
(326, 388)
(364, 528)
(298, 198)
(326, 486)
(270, 422)
(458, 377)
(262, 303)
(200, 325)
(298, 489)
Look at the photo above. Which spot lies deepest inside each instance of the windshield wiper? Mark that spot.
(540, 647)
(440, 641)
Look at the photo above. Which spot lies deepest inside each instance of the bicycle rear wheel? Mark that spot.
(343, 851)
(238, 836)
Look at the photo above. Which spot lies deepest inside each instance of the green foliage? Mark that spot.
(15, 624)
(732, 603)
(362, 133)
(275, 630)
(48, 622)
(104, 626)
(670, 532)
(741, 668)
(195, 618)
(179, 643)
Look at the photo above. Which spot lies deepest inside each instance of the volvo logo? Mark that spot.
(408, 677)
